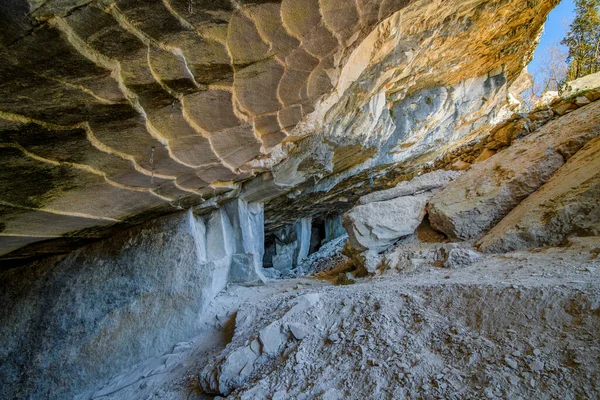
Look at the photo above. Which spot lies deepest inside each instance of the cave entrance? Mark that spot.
(287, 247)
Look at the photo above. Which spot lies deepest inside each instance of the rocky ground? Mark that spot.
(518, 325)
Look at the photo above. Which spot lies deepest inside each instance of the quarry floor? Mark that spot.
(517, 325)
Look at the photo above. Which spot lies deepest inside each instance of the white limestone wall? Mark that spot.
(69, 323)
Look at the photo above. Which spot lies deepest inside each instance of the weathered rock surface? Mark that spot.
(119, 111)
(587, 86)
(386, 216)
(375, 226)
(461, 257)
(81, 318)
(406, 336)
(238, 362)
(475, 202)
(422, 183)
(99, 310)
(569, 203)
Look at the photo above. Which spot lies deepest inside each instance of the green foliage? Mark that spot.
(583, 40)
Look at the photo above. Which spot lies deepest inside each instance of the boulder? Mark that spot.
(375, 226)
(384, 217)
(568, 203)
(461, 257)
(588, 86)
(472, 204)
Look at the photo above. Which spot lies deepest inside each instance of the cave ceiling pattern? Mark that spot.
(112, 110)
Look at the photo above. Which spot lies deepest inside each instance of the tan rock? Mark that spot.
(244, 42)
(475, 202)
(569, 203)
(340, 17)
(422, 183)
(211, 110)
(564, 107)
(300, 17)
(485, 154)
(582, 101)
(255, 87)
(236, 146)
(268, 22)
(582, 86)
(194, 151)
(460, 165)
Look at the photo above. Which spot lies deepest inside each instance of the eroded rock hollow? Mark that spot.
(293, 199)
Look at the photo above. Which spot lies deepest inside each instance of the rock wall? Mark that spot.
(69, 323)
(533, 183)
(569, 203)
(478, 200)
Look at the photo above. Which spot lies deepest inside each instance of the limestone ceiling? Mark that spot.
(116, 111)
(108, 109)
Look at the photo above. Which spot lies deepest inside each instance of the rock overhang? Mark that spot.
(114, 112)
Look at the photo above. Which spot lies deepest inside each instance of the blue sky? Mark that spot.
(554, 30)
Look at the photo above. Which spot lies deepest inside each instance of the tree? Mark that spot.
(553, 70)
(549, 75)
(583, 39)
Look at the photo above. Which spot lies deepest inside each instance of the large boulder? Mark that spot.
(475, 202)
(384, 217)
(375, 226)
(587, 86)
(568, 203)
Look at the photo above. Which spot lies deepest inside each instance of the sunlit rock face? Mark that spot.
(114, 112)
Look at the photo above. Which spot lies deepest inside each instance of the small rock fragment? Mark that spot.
(485, 154)
(562, 108)
(298, 331)
(335, 337)
(536, 366)
(461, 258)
(345, 278)
(511, 363)
(460, 165)
(271, 339)
(582, 101)
(255, 346)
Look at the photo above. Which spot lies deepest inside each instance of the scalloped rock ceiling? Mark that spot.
(112, 112)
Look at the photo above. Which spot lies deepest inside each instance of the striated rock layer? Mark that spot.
(569, 203)
(69, 323)
(117, 111)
